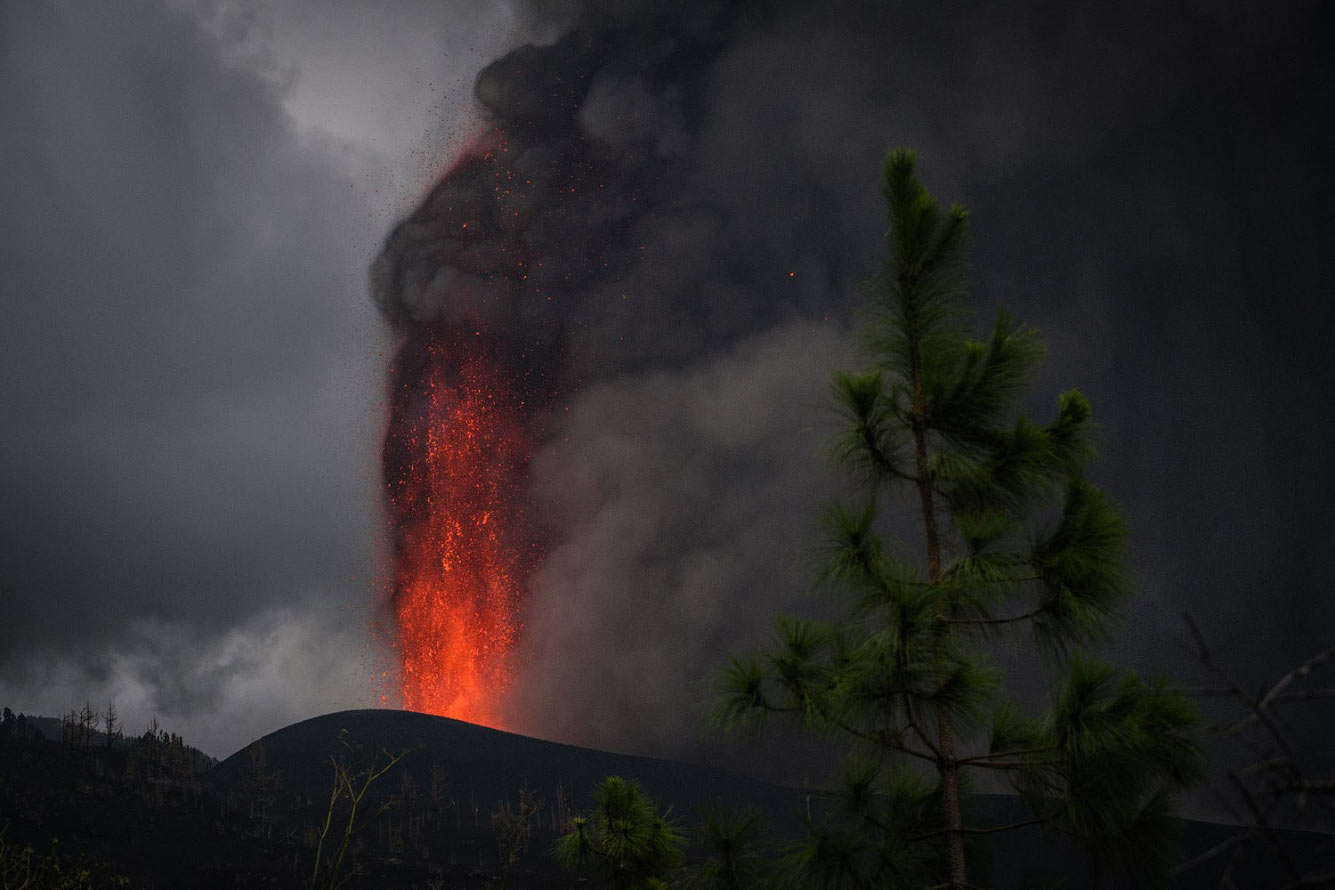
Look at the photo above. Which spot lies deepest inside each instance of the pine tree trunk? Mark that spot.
(947, 766)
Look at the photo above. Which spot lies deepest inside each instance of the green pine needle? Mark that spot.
(935, 418)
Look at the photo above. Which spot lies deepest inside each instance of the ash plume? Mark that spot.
(662, 237)
(573, 242)
(579, 225)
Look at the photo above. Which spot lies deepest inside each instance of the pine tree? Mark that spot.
(735, 852)
(624, 840)
(1013, 537)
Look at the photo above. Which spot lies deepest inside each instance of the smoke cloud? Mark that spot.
(694, 208)
(191, 391)
(190, 388)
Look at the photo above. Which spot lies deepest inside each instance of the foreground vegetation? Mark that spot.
(1020, 553)
(23, 868)
(442, 817)
(1019, 549)
(139, 812)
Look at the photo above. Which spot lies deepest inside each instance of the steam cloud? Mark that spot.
(665, 236)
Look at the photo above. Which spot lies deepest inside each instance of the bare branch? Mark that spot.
(1217, 850)
(1294, 675)
(1283, 765)
(1263, 824)
(1257, 713)
(991, 829)
(1304, 695)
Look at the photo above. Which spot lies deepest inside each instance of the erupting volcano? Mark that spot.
(457, 446)
(504, 288)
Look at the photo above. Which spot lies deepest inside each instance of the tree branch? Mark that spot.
(991, 829)
(1276, 764)
(877, 738)
(1018, 579)
(1217, 850)
(1257, 714)
(1296, 674)
(1304, 695)
(922, 737)
(1263, 825)
(1298, 695)
(1003, 764)
(1008, 620)
(1018, 752)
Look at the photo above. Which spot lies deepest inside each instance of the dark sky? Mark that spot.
(193, 365)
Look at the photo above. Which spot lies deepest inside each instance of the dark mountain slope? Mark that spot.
(141, 811)
(485, 765)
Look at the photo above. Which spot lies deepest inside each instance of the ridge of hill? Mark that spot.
(485, 765)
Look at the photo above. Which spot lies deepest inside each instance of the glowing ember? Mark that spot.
(453, 459)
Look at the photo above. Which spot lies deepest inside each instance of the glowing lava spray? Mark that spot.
(498, 290)
(456, 449)
(457, 582)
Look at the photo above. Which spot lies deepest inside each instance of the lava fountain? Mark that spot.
(456, 450)
(497, 288)
(458, 580)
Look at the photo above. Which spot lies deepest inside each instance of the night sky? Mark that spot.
(193, 364)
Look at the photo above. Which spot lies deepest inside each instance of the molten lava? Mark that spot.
(454, 458)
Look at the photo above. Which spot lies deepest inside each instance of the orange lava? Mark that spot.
(458, 575)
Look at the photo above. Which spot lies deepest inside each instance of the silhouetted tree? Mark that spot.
(736, 857)
(88, 720)
(1012, 537)
(623, 840)
(350, 787)
(261, 785)
(112, 724)
(16, 727)
(512, 827)
(438, 787)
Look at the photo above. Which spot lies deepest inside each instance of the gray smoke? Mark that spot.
(698, 208)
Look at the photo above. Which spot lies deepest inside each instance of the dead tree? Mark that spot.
(1273, 775)
(513, 827)
(113, 725)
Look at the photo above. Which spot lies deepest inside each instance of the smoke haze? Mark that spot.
(703, 209)
(190, 385)
(193, 393)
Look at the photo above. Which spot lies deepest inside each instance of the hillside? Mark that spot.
(482, 767)
(486, 765)
(144, 812)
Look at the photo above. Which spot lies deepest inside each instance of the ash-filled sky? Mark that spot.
(191, 402)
